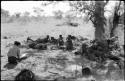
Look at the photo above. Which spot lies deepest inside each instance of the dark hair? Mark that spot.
(25, 75)
(60, 35)
(47, 36)
(69, 37)
(86, 71)
(52, 37)
(17, 43)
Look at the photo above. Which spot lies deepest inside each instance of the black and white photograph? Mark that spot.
(62, 40)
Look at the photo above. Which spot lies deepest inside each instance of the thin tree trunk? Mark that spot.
(115, 20)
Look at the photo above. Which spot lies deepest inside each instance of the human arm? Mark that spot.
(18, 53)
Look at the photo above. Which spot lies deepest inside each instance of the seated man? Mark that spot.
(47, 39)
(69, 44)
(83, 49)
(44, 40)
(14, 53)
(60, 41)
(53, 40)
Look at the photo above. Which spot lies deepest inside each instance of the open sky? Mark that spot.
(22, 6)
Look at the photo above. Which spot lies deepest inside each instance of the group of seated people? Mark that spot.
(25, 74)
(39, 43)
(14, 52)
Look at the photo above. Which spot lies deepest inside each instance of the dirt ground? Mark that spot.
(40, 62)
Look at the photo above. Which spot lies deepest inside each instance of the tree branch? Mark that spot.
(91, 19)
(118, 6)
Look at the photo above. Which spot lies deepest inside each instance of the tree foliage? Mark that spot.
(89, 8)
(18, 14)
(95, 12)
(38, 11)
(58, 14)
(4, 13)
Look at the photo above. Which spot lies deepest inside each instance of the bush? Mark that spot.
(58, 14)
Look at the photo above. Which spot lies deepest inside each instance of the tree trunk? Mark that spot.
(99, 21)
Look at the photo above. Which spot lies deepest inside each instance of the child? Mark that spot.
(25, 75)
(13, 53)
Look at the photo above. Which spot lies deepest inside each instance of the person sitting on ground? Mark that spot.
(14, 53)
(44, 40)
(53, 40)
(60, 41)
(25, 75)
(83, 49)
(47, 39)
(69, 44)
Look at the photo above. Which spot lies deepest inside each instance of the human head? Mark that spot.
(69, 35)
(25, 75)
(60, 36)
(52, 38)
(17, 43)
(47, 36)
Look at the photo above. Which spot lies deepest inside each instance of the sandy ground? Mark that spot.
(40, 61)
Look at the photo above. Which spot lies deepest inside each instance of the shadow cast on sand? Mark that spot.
(10, 66)
(79, 61)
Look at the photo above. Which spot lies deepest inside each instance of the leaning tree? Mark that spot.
(95, 10)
